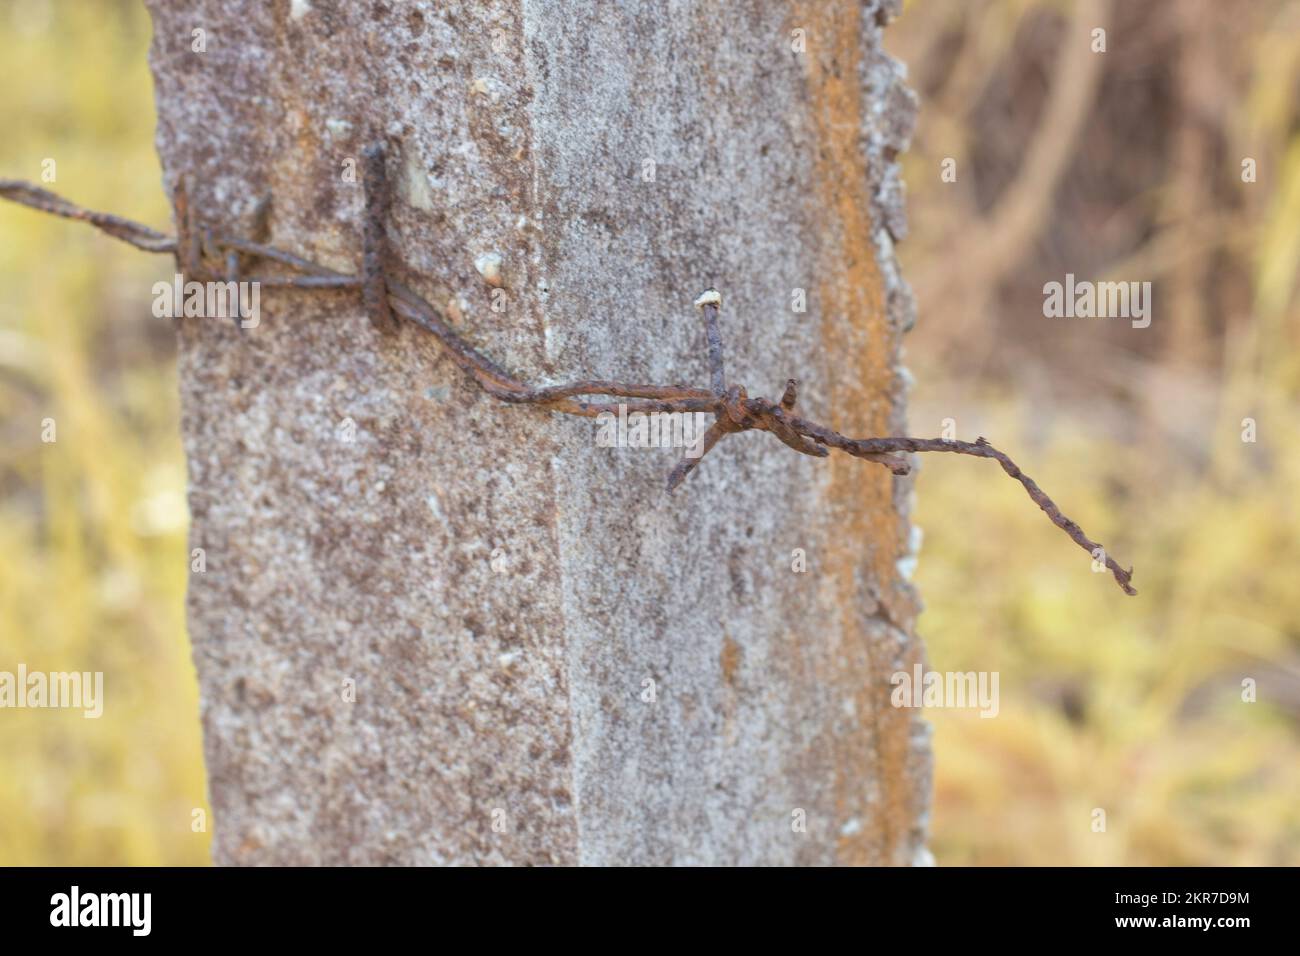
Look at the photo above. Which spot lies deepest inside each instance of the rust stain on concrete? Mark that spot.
(859, 388)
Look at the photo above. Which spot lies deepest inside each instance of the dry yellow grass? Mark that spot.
(1134, 705)
(1131, 706)
(93, 559)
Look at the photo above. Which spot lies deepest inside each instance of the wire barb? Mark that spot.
(374, 286)
(732, 409)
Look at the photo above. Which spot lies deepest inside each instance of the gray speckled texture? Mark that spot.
(498, 587)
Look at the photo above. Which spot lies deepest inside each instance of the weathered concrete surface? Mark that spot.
(499, 588)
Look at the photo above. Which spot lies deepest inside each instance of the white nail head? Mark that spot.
(709, 297)
(489, 267)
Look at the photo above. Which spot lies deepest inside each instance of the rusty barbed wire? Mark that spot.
(733, 410)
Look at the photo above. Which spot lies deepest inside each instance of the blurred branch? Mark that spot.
(994, 245)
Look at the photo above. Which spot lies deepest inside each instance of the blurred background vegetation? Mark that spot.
(1117, 166)
(1121, 166)
(93, 557)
